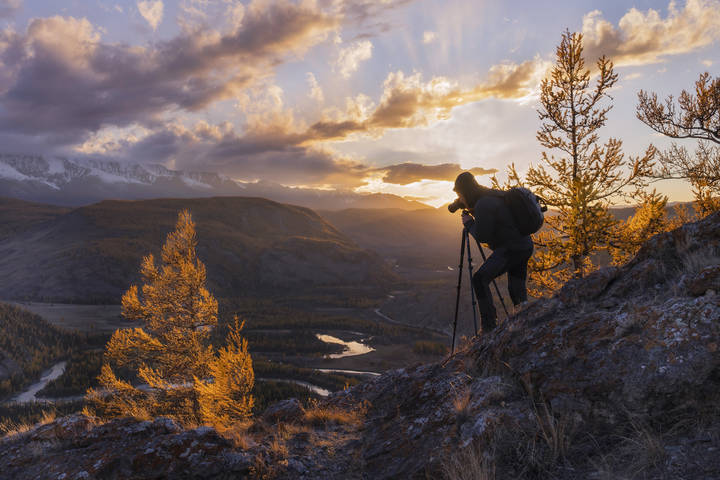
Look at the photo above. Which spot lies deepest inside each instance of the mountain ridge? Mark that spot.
(248, 244)
(77, 182)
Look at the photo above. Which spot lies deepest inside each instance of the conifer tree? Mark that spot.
(650, 218)
(227, 397)
(171, 353)
(578, 176)
(698, 117)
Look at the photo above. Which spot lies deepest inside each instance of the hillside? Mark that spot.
(249, 245)
(420, 238)
(617, 376)
(28, 345)
(17, 215)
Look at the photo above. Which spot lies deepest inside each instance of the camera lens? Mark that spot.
(455, 206)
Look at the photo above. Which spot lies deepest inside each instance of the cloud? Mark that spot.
(234, 14)
(408, 101)
(9, 7)
(97, 84)
(350, 57)
(271, 155)
(275, 154)
(429, 37)
(645, 37)
(316, 92)
(360, 11)
(707, 63)
(151, 11)
(405, 173)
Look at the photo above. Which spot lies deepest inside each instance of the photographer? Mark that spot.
(490, 221)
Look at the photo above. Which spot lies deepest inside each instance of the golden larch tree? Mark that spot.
(650, 218)
(695, 116)
(578, 176)
(171, 352)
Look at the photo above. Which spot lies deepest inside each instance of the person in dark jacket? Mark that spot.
(491, 222)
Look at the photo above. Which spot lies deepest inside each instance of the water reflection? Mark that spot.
(351, 348)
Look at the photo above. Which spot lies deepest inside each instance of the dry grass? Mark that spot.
(696, 261)
(644, 447)
(278, 448)
(471, 463)
(289, 430)
(10, 428)
(322, 416)
(461, 406)
(542, 445)
(238, 435)
(555, 432)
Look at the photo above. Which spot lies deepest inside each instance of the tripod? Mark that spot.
(465, 244)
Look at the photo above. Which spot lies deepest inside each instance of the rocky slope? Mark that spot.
(249, 245)
(617, 376)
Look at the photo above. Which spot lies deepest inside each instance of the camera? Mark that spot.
(456, 205)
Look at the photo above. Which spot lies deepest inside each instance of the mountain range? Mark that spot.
(76, 182)
(249, 245)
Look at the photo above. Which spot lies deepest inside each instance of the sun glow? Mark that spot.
(431, 192)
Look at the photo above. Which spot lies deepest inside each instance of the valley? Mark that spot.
(301, 352)
(328, 299)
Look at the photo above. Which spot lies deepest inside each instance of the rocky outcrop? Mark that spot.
(617, 376)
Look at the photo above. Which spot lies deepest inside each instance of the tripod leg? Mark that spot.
(472, 290)
(494, 283)
(457, 298)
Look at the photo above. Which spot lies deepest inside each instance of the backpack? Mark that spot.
(526, 208)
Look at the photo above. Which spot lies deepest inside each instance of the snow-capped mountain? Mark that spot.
(65, 181)
(75, 182)
(56, 172)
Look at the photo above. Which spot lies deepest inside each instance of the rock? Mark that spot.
(588, 288)
(288, 410)
(706, 279)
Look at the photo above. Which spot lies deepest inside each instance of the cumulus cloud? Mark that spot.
(151, 11)
(316, 92)
(269, 155)
(429, 37)
(234, 14)
(98, 84)
(9, 7)
(405, 173)
(408, 101)
(350, 57)
(646, 37)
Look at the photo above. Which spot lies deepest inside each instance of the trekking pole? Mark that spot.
(470, 273)
(494, 283)
(457, 298)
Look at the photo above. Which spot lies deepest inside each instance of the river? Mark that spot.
(319, 390)
(48, 375)
(351, 348)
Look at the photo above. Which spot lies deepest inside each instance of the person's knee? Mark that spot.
(481, 278)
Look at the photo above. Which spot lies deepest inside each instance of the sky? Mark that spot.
(365, 95)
